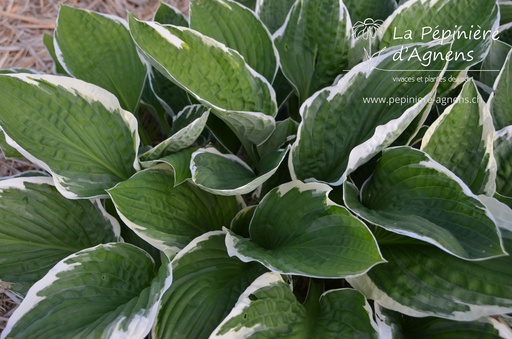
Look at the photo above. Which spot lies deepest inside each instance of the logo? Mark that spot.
(366, 29)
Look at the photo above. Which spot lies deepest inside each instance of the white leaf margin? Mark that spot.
(485, 121)
(319, 189)
(19, 183)
(229, 3)
(176, 10)
(432, 164)
(268, 279)
(113, 18)
(499, 77)
(141, 322)
(367, 287)
(90, 93)
(182, 139)
(224, 114)
(501, 212)
(383, 136)
(148, 235)
(279, 33)
(385, 329)
(247, 188)
(265, 280)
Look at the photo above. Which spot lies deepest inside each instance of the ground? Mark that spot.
(22, 24)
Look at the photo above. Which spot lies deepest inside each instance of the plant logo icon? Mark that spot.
(366, 29)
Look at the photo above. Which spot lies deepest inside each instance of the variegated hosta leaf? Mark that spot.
(397, 325)
(269, 309)
(448, 21)
(206, 285)
(225, 174)
(186, 128)
(461, 139)
(180, 163)
(251, 4)
(369, 13)
(75, 130)
(170, 15)
(297, 230)
(285, 131)
(48, 41)
(240, 223)
(313, 44)
(7, 150)
(345, 125)
(169, 95)
(503, 155)
(273, 13)
(238, 28)
(107, 291)
(215, 75)
(98, 49)
(499, 101)
(412, 195)
(40, 227)
(169, 216)
(491, 66)
(501, 213)
(505, 11)
(424, 281)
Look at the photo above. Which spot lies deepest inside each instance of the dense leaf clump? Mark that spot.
(267, 169)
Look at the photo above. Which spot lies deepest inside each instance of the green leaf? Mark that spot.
(377, 10)
(7, 150)
(412, 195)
(499, 101)
(268, 309)
(297, 230)
(461, 139)
(243, 99)
(273, 13)
(238, 28)
(501, 213)
(226, 174)
(40, 227)
(107, 291)
(241, 221)
(223, 134)
(180, 163)
(493, 64)
(98, 49)
(284, 132)
(429, 282)
(503, 155)
(169, 216)
(430, 20)
(169, 95)
(313, 44)
(401, 326)
(505, 11)
(342, 127)
(170, 15)
(251, 4)
(186, 128)
(48, 43)
(206, 285)
(75, 130)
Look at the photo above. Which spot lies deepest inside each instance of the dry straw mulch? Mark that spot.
(22, 24)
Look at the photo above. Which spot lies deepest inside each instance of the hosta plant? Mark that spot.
(267, 169)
